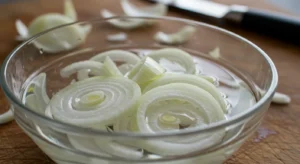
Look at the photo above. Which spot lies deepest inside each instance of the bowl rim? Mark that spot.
(81, 130)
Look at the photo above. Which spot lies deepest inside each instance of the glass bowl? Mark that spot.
(65, 143)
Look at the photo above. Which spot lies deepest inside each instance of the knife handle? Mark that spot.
(273, 24)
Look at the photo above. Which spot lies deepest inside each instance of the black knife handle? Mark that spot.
(273, 24)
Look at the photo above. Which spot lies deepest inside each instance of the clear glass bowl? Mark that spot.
(62, 143)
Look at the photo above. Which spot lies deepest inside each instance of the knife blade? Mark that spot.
(264, 22)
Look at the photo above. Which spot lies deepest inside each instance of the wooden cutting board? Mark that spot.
(276, 142)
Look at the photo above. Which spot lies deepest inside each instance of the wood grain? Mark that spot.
(280, 148)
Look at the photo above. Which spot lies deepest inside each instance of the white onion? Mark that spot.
(176, 56)
(172, 103)
(189, 79)
(6, 117)
(119, 95)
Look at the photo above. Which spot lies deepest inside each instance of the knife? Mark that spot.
(264, 22)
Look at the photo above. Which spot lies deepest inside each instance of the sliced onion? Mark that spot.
(176, 56)
(119, 37)
(120, 150)
(145, 71)
(119, 95)
(278, 98)
(22, 30)
(69, 10)
(167, 107)
(117, 55)
(35, 96)
(111, 68)
(281, 98)
(121, 23)
(6, 117)
(189, 79)
(83, 74)
(179, 37)
(62, 39)
(95, 66)
(215, 53)
(132, 10)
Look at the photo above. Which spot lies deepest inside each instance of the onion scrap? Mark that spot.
(179, 37)
(62, 39)
(132, 10)
(6, 117)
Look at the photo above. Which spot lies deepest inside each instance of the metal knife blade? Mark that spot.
(265, 22)
(207, 8)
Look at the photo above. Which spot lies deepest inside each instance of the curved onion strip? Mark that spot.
(119, 37)
(189, 79)
(6, 117)
(95, 66)
(83, 74)
(132, 10)
(278, 98)
(117, 149)
(123, 24)
(22, 30)
(119, 95)
(174, 55)
(36, 97)
(176, 38)
(114, 55)
(118, 56)
(61, 39)
(203, 106)
(86, 144)
(281, 98)
(111, 68)
(145, 71)
(69, 10)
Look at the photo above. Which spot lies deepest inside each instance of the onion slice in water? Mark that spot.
(95, 102)
(157, 112)
(35, 96)
(118, 56)
(95, 66)
(174, 55)
(145, 71)
(195, 80)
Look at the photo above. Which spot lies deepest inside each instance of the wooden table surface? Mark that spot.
(281, 143)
